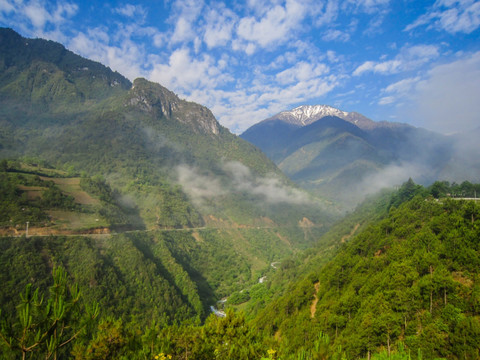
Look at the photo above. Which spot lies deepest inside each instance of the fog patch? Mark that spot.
(464, 164)
(156, 141)
(126, 201)
(237, 179)
(269, 189)
(198, 186)
(389, 177)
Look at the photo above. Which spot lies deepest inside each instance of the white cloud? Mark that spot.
(183, 31)
(368, 6)
(95, 45)
(219, 27)
(269, 189)
(329, 13)
(40, 13)
(133, 11)
(402, 87)
(184, 73)
(6, 6)
(336, 35)
(410, 57)
(202, 187)
(37, 18)
(275, 27)
(453, 16)
(386, 100)
(184, 16)
(198, 186)
(37, 14)
(302, 71)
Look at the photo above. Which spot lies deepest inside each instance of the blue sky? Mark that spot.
(411, 61)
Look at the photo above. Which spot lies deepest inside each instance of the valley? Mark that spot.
(134, 226)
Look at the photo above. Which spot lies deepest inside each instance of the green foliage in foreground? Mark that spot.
(46, 325)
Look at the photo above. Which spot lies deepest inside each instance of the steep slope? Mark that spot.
(76, 113)
(344, 155)
(205, 211)
(409, 279)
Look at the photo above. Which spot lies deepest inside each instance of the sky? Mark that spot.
(409, 61)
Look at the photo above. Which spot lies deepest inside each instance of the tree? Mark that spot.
(46, 327)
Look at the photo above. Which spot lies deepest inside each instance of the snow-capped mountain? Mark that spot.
(338, 153)
(307, 114)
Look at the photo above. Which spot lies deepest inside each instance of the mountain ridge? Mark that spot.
(315, 147)
(305, 115)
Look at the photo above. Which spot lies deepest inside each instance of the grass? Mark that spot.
(71, 186)
(75, 221)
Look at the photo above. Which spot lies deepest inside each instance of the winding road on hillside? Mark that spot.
(105, 231)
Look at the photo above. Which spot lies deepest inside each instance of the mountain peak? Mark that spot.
(307, 114)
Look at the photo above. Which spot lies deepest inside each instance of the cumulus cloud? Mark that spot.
(95, 44)
(275, 26)
(184, 72)
(219, 27)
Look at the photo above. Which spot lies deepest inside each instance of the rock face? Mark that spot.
(160, 102)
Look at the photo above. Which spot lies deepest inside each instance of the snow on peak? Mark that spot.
(307, 114)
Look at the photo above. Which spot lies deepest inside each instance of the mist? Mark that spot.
(447, 100)
(237, 178)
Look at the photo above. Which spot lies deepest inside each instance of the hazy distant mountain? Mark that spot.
(344, 155)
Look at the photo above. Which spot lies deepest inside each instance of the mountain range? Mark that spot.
(344, 155)
(128, 214)
(169, 165)
(78, 114)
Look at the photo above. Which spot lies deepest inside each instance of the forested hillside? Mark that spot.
(86, 151)
(409, 280)
(402, 281)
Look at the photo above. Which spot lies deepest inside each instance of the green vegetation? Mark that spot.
(126, 255)
(46, 326)
(409, 279)
(56, 202)
(402, 283)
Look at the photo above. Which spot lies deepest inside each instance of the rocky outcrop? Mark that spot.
(160, 102)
